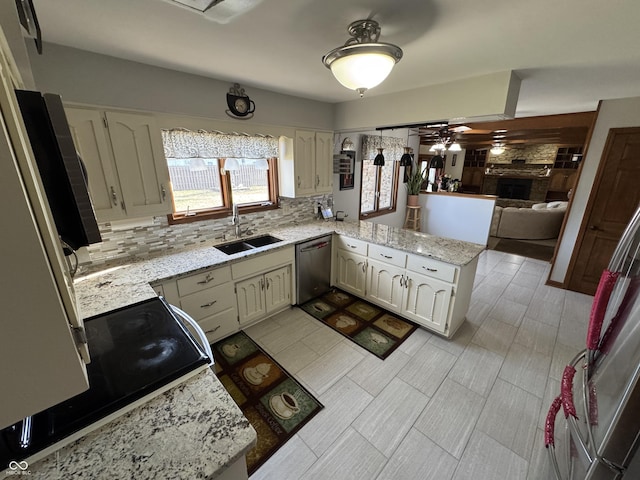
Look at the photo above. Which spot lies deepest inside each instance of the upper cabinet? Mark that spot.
(310, 170)
(127, 171)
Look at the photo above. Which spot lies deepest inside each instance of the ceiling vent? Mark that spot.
(224, 11)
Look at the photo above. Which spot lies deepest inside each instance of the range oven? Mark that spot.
(137, 352)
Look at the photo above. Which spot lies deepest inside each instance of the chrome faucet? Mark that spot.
(235, 219)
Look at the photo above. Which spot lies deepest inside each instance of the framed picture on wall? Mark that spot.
(347, 165)
(346, 181)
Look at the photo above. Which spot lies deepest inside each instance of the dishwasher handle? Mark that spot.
(315, 246)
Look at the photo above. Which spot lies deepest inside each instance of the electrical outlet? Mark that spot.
(286, 209)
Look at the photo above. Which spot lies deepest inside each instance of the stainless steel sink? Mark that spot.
(248, 244)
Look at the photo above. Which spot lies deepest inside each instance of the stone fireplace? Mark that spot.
(515, 188)
(532, 189)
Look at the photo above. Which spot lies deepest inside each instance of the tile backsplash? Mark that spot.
(158, 236)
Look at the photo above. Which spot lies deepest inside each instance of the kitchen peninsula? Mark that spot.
(195, 429)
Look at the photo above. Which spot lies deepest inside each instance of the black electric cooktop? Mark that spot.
(134, 351)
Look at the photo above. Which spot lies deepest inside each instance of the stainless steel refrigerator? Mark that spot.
(597, 434)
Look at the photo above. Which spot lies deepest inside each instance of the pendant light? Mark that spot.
(379, 160)
(407, 159)
(362, 62)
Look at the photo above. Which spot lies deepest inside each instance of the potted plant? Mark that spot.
(414, 185)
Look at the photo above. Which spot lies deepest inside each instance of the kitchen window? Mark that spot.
(210, 171)
(379, 185)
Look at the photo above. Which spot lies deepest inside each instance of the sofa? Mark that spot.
(540, 222)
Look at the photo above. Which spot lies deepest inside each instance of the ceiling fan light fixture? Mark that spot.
(497, 149)
(455, 147)
(362, 62)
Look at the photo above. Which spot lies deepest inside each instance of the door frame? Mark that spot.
(602, 165)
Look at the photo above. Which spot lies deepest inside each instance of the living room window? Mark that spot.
(379, 185)
(210, 171)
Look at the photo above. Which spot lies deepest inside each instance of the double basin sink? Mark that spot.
(248, 244)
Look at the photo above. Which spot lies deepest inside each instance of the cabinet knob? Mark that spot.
(164, 192)
(206, 305)
(114, 197)
(317, 180)
(206, 280)
(298, 180)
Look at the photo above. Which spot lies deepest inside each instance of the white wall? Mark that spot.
(494, 95)
(85, 77)
(459, 216)
(618, 113)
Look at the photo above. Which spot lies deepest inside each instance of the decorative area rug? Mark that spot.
(274, 403)
(525, 249)
(368, 325)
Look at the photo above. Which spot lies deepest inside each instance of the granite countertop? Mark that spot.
(197, 416)
(127, 282)
(194, 430)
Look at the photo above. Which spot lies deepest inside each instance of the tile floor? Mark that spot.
(468, 408)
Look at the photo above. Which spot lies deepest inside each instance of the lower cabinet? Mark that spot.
(426, 301)
(385, 285)
(263, 294)
(351, 272)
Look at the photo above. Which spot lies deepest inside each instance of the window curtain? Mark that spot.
(183, 143)
(393, 147)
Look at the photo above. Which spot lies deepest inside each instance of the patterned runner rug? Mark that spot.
(274, 403)
(368, 325)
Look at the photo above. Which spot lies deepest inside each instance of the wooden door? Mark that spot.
(614, 198)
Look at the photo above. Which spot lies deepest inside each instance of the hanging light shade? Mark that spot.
(379, 160)
(362, 62)
(436, 162)
(455, 147)
(406, 158)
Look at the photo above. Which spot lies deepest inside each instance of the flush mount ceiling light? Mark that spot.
(226, 10)
(362, 62)
(497, 149)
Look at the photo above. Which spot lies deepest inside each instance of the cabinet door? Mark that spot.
(88, 131)
(384, 285)
(351, 272)
(304, 162)
(142, 168)
(324, 162)
(278, 289)
(251, 299)
(427, 301)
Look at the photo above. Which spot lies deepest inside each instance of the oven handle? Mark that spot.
(198, 330)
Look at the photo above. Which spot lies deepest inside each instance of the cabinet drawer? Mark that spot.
(432, 268)
(388, 255)
(207, 302)
(200, 281)
(352, 245)
(220, 325)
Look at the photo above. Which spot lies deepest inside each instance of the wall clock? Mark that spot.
(239, 103)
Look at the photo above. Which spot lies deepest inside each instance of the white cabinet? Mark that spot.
(127, 170)
(350, 271)
(426, 301)
(262, 295)
(310, 170)
(429, 292)
(208, 297)
(385, 285)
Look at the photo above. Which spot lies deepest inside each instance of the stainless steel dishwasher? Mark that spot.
(313, 268)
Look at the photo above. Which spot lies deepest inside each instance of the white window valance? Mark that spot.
(183, 143)
(393, 147)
